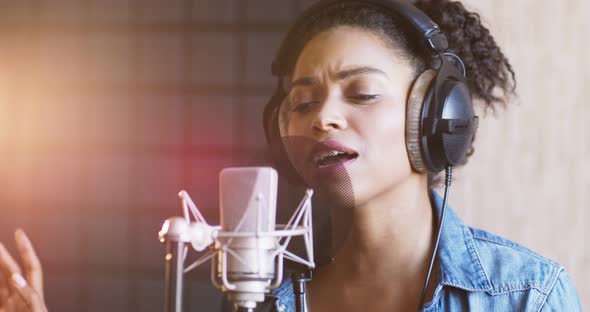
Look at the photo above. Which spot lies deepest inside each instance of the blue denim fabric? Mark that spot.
(480, 271)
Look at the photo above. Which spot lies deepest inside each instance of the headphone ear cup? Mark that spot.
(414, 107)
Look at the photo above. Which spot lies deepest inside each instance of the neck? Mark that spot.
(391, 237)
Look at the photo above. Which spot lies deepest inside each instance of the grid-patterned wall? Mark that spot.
(107, 110)
(109, 107)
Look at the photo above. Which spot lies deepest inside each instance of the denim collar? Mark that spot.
(459, 262)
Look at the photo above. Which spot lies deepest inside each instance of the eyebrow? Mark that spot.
(307, 81)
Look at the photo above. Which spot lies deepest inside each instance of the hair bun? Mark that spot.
(489, 73)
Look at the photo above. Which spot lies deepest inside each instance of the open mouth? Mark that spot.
(328, 158)
(331, 154)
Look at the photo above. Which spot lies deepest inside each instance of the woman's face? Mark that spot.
(349, 91)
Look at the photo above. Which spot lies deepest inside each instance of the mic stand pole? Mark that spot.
(174, 264)
(300, 280)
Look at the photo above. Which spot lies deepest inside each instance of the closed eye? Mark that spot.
(303, 107)
(365, 97)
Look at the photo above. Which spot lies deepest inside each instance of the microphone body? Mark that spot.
(248, 249)
(248, 199)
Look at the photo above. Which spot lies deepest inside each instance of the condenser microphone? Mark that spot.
(248, 248)
(248, 204)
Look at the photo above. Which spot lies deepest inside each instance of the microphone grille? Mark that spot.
(248, 199)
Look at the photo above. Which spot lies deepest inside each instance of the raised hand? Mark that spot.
(21, 289)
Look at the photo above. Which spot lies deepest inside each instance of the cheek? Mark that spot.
(294, 127)
(386, 162)
(386, 128)
(386, 143)
(297, 126)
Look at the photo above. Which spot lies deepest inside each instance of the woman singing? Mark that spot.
(357, 75)
(361, 78)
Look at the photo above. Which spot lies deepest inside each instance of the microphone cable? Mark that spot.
(448, 180)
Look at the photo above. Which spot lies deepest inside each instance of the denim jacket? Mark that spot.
(479, 271)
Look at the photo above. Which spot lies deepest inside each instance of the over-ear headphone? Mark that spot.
(440, 120)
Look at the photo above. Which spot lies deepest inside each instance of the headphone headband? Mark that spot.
(433, 37)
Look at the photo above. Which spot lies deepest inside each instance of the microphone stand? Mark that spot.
(300, 280)
(174, 268)
(175, 249)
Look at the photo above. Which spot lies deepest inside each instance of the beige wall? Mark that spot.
(529, 177)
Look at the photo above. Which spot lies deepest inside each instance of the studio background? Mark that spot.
(108, 108)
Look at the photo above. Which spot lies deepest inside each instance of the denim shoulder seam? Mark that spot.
(512, 245)
(542, 299)
(543, 287)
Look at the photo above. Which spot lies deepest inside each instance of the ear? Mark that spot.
(413, 119)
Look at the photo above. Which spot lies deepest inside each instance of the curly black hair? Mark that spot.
(490, 77)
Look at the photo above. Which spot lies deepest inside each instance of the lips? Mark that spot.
(331, 152)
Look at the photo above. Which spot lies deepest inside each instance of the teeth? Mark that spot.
(322, 155)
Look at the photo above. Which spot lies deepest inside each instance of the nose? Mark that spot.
(330, 117)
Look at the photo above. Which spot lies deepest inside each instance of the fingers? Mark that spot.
(7, 264)
(31, 264)
(15, 281)
(7, 268)
(4, 291)
(28, 294)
